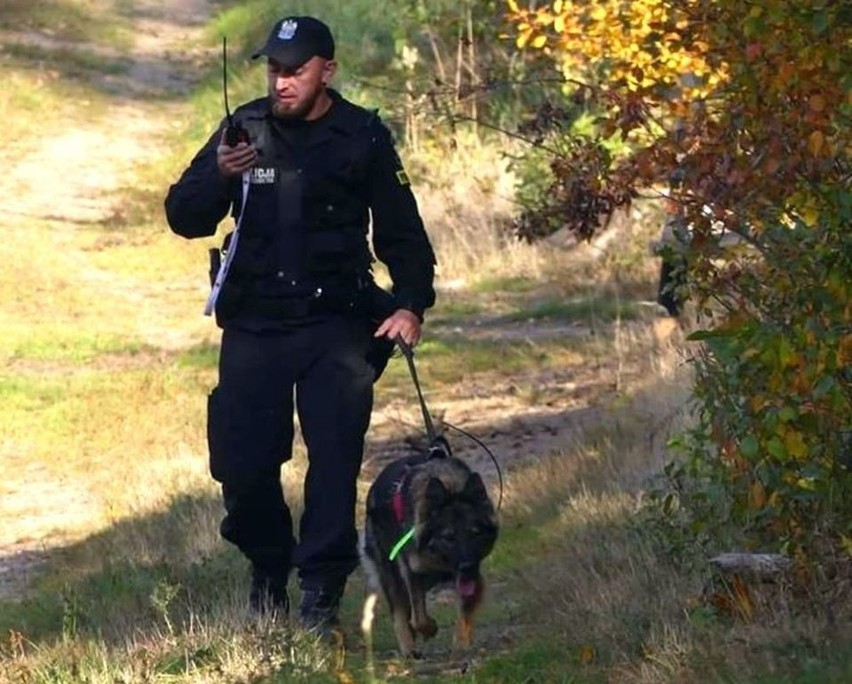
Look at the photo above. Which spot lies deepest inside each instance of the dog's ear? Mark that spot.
(436, 493)
(474, 489)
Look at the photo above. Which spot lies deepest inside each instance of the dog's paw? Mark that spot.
(427, 628)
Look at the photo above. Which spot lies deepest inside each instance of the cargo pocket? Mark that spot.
(229, 302)
(244, 440)
(379, 304)
(217, 438)
(378, 355)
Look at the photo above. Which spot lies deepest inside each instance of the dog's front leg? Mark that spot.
(423, 623)
(395, 583)
(467, 609)
(396, 590)
(404, 633)
(416, 619)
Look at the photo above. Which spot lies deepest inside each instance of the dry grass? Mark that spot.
(465, 196)
(148, 573)
(105, 365)
(599, 584)
(110, 370)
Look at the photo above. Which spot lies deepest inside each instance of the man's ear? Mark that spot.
(329, 69)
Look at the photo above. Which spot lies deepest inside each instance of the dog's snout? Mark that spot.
(467, 566)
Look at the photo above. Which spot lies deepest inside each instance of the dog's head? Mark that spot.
(455, 522)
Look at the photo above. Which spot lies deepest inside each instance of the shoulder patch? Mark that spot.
(402, 177)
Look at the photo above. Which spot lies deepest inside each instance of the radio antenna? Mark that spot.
(225, 78)
(234, 132)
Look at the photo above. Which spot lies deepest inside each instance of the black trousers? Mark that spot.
(672, 278)
(250, 435)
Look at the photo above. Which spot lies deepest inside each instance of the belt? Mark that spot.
(299, 307)
(358, 295)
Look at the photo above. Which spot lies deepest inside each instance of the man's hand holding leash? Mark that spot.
(402, 323)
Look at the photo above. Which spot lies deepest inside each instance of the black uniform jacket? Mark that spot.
(313, 191)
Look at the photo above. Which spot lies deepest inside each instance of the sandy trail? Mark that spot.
(74, 178)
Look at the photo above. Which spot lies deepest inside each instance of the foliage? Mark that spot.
(433, 68)
(746, 104)
(774, 384)
(448, 70)
(549, 193)
(640, 44)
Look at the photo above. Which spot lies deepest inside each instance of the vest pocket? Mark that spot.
(260, 215)
(326, 242)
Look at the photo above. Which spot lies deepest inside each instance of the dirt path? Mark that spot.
(73, 178)
(519, 417)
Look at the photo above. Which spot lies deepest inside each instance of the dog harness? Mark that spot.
(398, 503)
(438, 449)
(403, 540)
(398, 507)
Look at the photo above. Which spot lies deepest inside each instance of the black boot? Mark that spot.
(268, 594)
(319, 607)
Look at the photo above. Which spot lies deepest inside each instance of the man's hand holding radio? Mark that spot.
(233, 161)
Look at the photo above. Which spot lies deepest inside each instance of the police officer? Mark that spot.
(300, 311)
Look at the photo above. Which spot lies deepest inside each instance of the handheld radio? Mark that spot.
(234, 132)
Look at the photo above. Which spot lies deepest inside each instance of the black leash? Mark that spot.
(487, 451)
(431, 433)
(408, 353)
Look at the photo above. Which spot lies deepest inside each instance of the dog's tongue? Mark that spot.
(465, 587)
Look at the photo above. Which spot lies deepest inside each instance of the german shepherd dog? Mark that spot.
(429, 520)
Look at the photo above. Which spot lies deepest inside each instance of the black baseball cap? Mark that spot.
(295, 40)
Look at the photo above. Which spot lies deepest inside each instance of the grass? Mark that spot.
(581, 308)
(68, 20)
(548, 661)
(452, 361)
(75, 64)
(63, 344)
(105, 366)
(487, 302)
(579, 593)
(35, 95)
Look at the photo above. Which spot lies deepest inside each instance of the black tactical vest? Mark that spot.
(307, 215)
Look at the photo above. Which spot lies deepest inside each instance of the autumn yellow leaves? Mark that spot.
(645, 43)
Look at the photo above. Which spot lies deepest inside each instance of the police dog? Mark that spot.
(429, 520)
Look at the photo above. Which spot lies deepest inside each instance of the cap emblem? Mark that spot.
(288, 29)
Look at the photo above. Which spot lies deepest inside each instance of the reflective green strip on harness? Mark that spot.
(403, 540)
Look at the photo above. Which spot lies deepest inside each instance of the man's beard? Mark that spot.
(298, 112)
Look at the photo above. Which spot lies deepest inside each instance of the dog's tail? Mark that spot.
(371, 597)
(367, 617)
